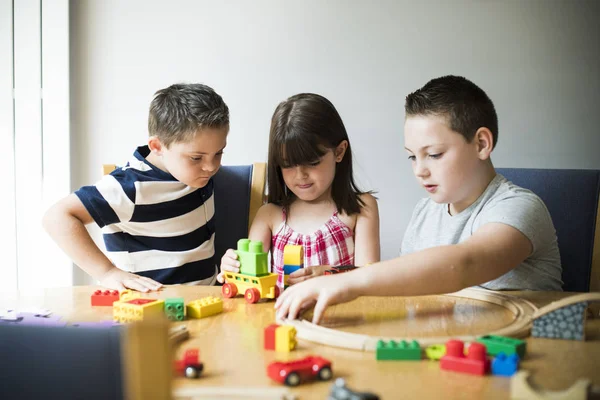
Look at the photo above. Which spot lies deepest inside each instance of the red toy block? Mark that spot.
(475, 362)
(104, 297)
(270, 336)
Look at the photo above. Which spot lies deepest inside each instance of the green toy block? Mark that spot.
(253, 260)
(502, 344)
(393, 350)
(175, 309)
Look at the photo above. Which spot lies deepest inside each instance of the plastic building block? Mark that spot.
(280, 338)
(287, 270)
(435, 351)
(253, 260)
(505, 365)
(137, 309)
(175, 309)
(294, 372)
(564, 323)
(205, 307)
(104, 297)
(475, 362)
(293, 255)
(254, 288)
(339, 270)
(393, 350)
(190, 365)
(339, 391)
(502, 344)
(129, 295)
(270, 336)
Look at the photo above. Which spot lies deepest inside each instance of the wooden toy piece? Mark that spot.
(495, 344)
(400, 351)
(137, 310)
(178, 334)
(292, 373)
(564, 323)
(505, 365)
(475, 362)
(205, 307)
(175, 309)
(435, 351)
(563, 319)
(190, 365)
(339, 391)
(522, 389)
(253, 260)
(104, 297)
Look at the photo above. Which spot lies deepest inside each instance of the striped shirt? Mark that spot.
(152, 224)
(332, 244)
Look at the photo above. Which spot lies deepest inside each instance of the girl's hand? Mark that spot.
(321, 292)
(121, 280)
(306, 273)
(230, 263)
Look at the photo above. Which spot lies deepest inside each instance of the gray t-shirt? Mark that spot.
(502, 201)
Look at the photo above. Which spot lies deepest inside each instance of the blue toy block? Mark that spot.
(505, 365)
(288, 269)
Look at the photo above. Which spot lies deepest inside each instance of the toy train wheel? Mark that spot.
(252, 295)
(277, 291)
(325, 374)
(293, 379)
(229, 290)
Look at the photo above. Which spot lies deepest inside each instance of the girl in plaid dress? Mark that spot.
(312, 197)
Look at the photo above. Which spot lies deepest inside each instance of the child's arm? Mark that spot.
(366, 233)
(492, 251)
(65, 223)
(261, 230)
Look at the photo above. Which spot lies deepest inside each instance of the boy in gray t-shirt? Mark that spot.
(476, 228)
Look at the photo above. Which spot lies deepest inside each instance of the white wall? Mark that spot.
(537, 60)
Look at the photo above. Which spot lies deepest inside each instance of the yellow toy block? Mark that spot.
(293, 255)
(204, 307)
(128, 295)
(137, 309)
(285, 338)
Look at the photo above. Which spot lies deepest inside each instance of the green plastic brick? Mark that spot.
(393, 350)
(502, 344)
(175, 309)
(253, 260)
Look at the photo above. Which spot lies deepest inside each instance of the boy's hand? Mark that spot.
(230, 263)
(306, 273)
(121, 280)
(322, 292)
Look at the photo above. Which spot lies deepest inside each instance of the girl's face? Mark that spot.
(312, 182)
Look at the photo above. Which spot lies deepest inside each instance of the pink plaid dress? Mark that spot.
(332, 244)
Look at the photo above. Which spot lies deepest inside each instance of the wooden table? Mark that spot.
(231, 343)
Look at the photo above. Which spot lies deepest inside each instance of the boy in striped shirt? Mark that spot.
(157, 212)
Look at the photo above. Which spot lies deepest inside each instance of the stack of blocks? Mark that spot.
(280, 338)
(253, 259)
(393, 350)
(137, 309)
(175, 309)
(293, 260)
(205, 307)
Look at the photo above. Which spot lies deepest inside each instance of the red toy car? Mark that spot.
(339, 270)
(190, 366)
(293, 372)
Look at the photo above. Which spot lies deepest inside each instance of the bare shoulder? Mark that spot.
(370, 203)
(270, 213)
